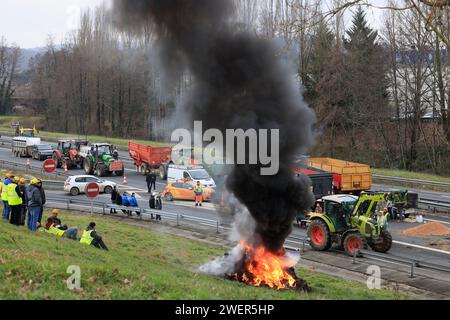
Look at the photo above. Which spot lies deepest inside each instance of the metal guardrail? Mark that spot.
(412, 263)
(417, 181)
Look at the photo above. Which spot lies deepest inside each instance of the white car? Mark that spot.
(76, 185)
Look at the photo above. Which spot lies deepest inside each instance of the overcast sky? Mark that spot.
(29, 23)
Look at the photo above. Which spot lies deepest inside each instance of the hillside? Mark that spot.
(140, 265)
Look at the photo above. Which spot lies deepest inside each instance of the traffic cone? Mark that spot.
(28, 162)
(65, 167)
(125, 180)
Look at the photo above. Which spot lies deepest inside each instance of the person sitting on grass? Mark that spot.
(55, 226)
(92, 238)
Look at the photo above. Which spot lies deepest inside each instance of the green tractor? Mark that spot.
(101, 159)
(352, 223)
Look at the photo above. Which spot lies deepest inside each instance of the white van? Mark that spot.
(192, 174)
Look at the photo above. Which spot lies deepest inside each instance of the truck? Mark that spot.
(147, 157)
(101, 159)
(348, 177)
(150, 158)
(23, 146)
(67, 153)
(321, 181)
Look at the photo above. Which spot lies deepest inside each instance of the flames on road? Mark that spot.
(260, 267)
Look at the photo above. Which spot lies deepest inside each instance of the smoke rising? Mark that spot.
(239, 84)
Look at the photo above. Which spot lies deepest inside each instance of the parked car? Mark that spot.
(184, 191)
(76, 185)
(42, 152)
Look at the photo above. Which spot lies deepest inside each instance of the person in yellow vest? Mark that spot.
(54, 226)
(4, 186)
(15, 201)
(90, 237)
(198, 190)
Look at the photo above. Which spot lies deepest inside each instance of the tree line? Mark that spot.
(381, 96)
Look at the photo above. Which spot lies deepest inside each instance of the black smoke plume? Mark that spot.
(240, 83)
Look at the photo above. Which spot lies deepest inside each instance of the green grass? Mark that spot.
(29, 122)
(412, 175)
(140, 265)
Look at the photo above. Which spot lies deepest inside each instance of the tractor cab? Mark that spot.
(339, 209)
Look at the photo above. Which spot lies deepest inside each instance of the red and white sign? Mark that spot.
(92, 190)
(49, 166)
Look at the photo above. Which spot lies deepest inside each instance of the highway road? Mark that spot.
(417, 248)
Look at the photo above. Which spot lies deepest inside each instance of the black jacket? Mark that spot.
(119, 200)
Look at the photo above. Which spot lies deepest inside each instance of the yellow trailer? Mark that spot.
(348, 177)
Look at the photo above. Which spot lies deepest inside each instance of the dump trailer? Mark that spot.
(321, 181)
(149, 157)
(348, 177)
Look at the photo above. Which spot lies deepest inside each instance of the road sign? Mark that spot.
(49, 166)
(92, 190)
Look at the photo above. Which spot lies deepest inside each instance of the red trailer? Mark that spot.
(148, 157)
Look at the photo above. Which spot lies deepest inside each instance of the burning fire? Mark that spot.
(264, 268)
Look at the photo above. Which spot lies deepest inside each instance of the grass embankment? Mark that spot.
(140, 265)
(27, 175)
(412, 175)
(29, 122)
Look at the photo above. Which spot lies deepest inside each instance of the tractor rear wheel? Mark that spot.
(88, 167)
(101, 170)
(354, 241)
(319, 235)
(384, 245)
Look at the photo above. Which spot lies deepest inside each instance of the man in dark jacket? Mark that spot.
(34, 197)
(41, 190)
(114, 194)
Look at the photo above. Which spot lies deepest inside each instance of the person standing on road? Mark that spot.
(148, 179)
(23, 209)
(41, 190)
(6, 208)
(151, 181)
(114, 196)
(34, 197)
(15, 201)
(90, 237)
(198, 190)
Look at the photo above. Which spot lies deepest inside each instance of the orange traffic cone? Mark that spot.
(125, 180)
(28, 162)
(65, 167)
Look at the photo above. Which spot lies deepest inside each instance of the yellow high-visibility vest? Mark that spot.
(13, 197)
(55, 231)
(86, 238)
(4, 192)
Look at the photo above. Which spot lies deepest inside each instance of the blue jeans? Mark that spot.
(34, 215)
(6, 210)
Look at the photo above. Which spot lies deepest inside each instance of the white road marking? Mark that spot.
(420, 247)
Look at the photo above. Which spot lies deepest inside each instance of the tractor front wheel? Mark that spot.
(353, 242)
(319, 235)
(384, 244)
